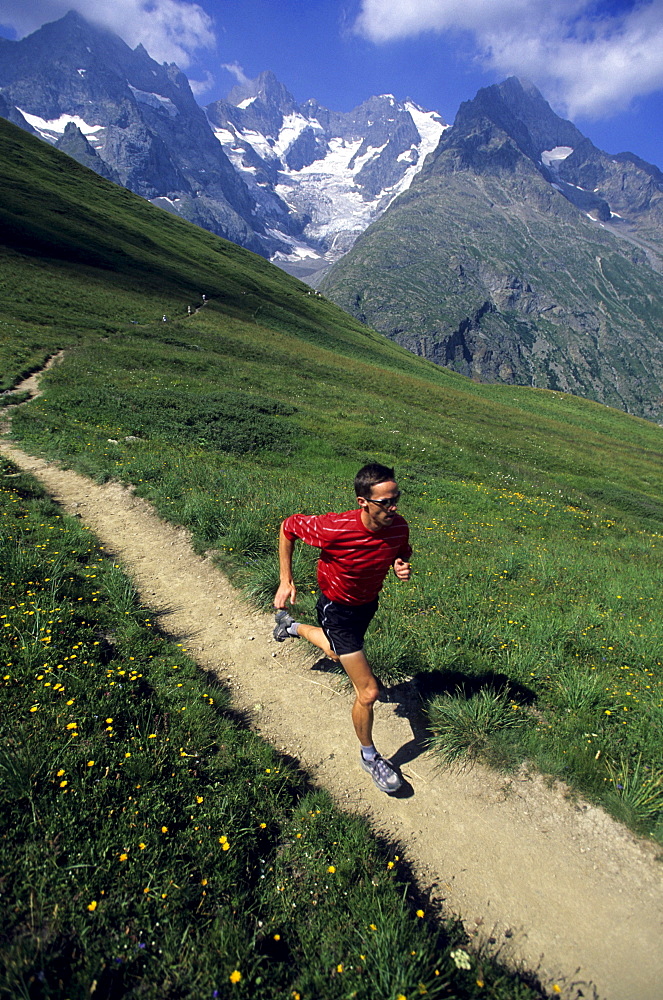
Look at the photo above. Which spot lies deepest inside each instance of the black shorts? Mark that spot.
(345, 624)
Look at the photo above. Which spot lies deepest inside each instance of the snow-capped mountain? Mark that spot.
(293, 183)
(336, 172)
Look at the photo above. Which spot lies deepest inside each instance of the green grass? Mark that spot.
(536, 517)
(151, 846)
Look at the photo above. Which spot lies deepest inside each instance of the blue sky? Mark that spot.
(598, 62)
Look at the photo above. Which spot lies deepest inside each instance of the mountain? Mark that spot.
(336, 172)
(294, 183)
(521, 254)
(136, 122)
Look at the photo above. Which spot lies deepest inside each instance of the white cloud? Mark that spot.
(199, 87)
(238, 72)
(170, 30)
(584, 56)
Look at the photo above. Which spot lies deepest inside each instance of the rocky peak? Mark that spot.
(509, 129)
(267, 89)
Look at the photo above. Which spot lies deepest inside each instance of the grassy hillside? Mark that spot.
(533, 619)
(536, 515)
(149, 851)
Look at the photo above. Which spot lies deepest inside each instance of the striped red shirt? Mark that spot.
(353, 560)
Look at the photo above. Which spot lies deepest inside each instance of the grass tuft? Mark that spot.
(466, 730)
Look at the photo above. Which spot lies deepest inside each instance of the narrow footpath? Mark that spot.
(558, 886)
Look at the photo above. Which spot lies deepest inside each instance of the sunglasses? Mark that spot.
(387, 503)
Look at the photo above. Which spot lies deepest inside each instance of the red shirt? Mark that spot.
(353, 560)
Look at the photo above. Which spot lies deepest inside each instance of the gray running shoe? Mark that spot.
(283, 623)
(383, 773)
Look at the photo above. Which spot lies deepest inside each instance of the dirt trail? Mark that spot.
(560, 886)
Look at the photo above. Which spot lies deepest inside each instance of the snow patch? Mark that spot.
(162, 198)
(371, 153)
(156, 101)
(551, 157)
(245, 103)
(53, 128)
(408, 156)
(225, 136)
(428, 124)
(292, 127)
(299, 251)
(81, 72)
(263, 145)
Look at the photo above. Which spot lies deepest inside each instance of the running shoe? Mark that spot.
(283, 623)
(383, 773)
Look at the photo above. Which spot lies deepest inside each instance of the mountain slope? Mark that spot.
(491, 266)
(536, 516)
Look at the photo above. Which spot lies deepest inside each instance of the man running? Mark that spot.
(356, 550)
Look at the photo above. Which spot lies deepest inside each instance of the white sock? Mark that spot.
(369, 753)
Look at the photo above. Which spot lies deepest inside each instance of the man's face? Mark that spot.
(378, 512)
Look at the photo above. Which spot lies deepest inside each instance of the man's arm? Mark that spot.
(287, 590)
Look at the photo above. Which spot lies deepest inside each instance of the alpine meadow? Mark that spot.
(161, 853)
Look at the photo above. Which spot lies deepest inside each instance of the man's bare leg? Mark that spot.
(363, 680)
(367, 691)
(315, 635)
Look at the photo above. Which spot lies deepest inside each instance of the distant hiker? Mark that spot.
(165, 318)
(204, 298)
(356, 550)
(188, 309)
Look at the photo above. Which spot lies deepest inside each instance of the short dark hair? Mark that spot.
(369, 476)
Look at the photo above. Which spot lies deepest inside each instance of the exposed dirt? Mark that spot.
(558, 885)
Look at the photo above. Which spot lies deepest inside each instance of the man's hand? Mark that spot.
(286, 592)
(402, 569)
